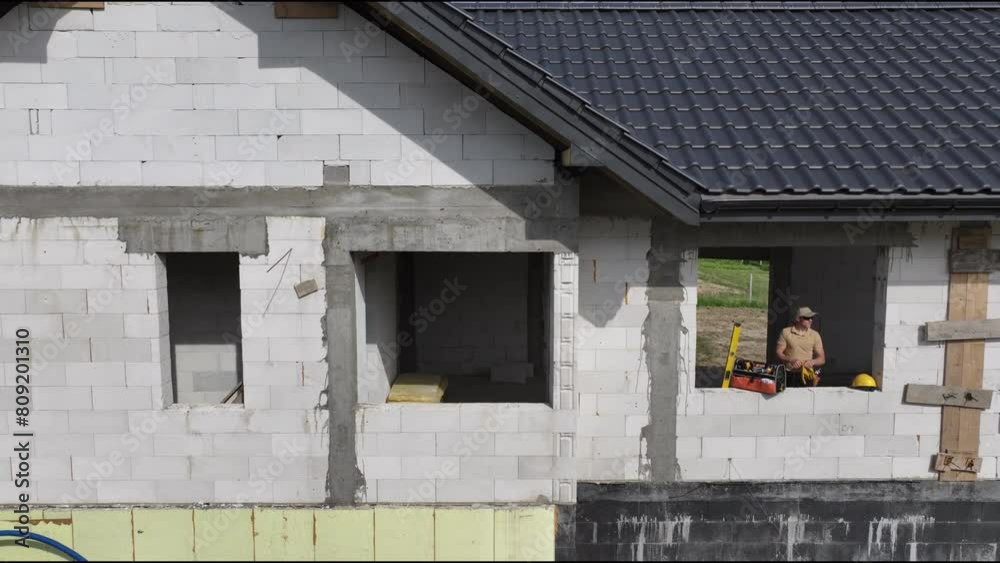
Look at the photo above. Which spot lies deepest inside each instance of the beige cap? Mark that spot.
(806, 313)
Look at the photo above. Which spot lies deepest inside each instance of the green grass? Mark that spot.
(724, 283)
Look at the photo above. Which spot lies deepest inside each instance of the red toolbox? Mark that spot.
(760, 377)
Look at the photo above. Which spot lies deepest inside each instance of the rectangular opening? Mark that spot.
(762, 288)
(482, 321)
(203, 292)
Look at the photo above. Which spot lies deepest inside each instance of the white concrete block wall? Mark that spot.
(482, 452)
(106, 429)
(182, 95)
(821, 434)
(414, 454)
(612, 377)
(380, 337)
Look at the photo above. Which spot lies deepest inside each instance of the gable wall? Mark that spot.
(199, 94)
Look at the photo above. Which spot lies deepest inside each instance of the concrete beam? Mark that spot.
(406, 218)
(826, 491)
(526, 202)
(245, 235)
(803, 234)
(457, 235)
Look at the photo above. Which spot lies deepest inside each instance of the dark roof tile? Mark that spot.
(792, 99)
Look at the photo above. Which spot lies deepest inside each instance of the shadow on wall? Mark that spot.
(347, 94)
(371, 104)
(616, 265)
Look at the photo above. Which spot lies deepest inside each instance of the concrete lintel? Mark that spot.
(245, 235)
(526, 202)
(455, 235)
(766, 234)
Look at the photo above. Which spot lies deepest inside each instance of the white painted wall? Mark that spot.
(105, 430)
(163, 94)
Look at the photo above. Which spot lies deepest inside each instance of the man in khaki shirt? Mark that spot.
(799, 346)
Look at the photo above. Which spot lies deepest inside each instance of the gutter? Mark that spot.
(863, 209)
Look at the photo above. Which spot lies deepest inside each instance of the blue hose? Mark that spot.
(47, 541)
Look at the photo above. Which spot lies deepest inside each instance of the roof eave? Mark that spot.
(511, 81)
(862, 209)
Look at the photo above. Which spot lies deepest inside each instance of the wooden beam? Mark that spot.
(964, 361)
(980, 399)
(974, 260)
(305, 10)
(947, 331)
(958, 463)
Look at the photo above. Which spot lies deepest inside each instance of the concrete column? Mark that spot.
(345, 480)
(672, 245)
(565, 296)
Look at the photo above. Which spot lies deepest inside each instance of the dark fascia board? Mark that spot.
(725, 6)
(475, 55)
(862, 209)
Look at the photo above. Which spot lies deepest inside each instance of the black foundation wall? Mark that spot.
(843, 521)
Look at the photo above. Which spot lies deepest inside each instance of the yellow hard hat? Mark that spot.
(864, 382)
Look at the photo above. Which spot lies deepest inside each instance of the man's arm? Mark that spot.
(780, 352)
(819, 354)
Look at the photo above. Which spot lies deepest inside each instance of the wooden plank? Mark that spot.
(974, 260)
(980, 399)
(72, 5)
(946, 331)
(964, 360)
(958, 463)
(311, 10)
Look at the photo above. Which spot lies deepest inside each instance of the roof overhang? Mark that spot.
(451, 39)
(861, 209)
